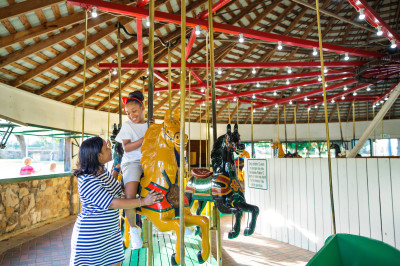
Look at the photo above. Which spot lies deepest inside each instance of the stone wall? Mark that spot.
(30, 203)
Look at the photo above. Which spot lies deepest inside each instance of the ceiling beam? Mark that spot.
(25, 7)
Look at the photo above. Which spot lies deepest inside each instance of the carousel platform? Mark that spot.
(163, 248)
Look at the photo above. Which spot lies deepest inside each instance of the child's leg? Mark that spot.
(131, 189)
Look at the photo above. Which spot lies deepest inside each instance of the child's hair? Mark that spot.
(137, 97)
(26, 160)
(53, 166)
(89, 156)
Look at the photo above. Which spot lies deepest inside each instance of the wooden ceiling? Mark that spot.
(41, 49)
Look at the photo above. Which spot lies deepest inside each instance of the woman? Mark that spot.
(96, 238)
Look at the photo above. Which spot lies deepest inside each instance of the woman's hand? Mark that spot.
(151, 198)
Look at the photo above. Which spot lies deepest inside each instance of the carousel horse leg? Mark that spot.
(226, 208)
(200, 208)
(254, 214)
(204, 224)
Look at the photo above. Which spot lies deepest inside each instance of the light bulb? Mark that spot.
(253, 96)
(393, 44)
(258, 84)
(298, 89)
(276, 105)
(148, 21)
(234, 99)
(305, 98)
(386, 98)
(381, 101)
(343, 97)
(362, 15)
(147, 71)
(345, 88)
(354, 93)
(202, 89)
(219, 71)
(377, 104)
(346, 56)
(275, 93)
(287, 82)
(316, 106)
(264, 108)
(115, 72)
(254, 70)
(218, 101)
(309, 109)
(325, 70)
(333, 101)
(379, 32)
(197, 30)
(290, 102)
(319, 78)
(368, 88)
(315, 53)
(279, 45)
(289, 70)
(158, 93)
(94, 12)
(254, 110)
(241, 39)
(203, 104)
(229, 87)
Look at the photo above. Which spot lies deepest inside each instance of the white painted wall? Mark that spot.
(296, 207)
(31, 108)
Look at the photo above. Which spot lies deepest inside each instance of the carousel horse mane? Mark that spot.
(149, 148)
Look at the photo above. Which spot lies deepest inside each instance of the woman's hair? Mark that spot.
(136, 95)
(89, 156)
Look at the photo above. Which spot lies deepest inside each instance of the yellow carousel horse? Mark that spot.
(160, 162)
(281, 153)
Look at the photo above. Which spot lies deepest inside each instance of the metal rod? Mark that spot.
(354, 122)
(119, 75)
(321, 55)
(252, 140)
(295, 127)
(169, 84)
(182, 140)
(84, 77)
(284, 118)
(340, 123)
(150, 84)
(309, 135)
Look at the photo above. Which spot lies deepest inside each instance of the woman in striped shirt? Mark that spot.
(96, 238)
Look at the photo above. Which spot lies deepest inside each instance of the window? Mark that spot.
(387, 147)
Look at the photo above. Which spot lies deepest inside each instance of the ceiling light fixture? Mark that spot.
(379, 32)
(241, 38)
(258, 84)
(298, 89)
(115, 72)
(254, 70)
(319, 78)
(287, 82)
(315, 53)
(346, 56)
(345, 88)
(393, 44)
(264, 108)
(197, 30)
(343, 97)
(289, 70)
(362, 15)
(219, 71)
(354, 93)
(290, 102)
(148, 21)
(368, 88)
(280, 45)
(94, 12)
(275, 93)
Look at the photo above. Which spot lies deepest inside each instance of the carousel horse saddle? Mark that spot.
(201, 172)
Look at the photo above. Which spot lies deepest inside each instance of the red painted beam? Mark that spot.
(309, 93)
(333, 64)
(340, 94)
(196, 77)
(190, 43)
(375, 19)
(161, 76)
(139, 39)
(385, 94)
(219, 27)
(215, 7)
(141, 3)
(255, 80)
(283, 87)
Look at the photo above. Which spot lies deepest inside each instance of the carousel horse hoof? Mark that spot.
(232, 235)
(248, 231)
(173, 261)
(200, 258)
(197, 231)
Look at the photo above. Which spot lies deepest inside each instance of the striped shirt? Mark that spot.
(96, 238)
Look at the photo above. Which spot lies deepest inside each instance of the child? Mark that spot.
(27, 169)
(131, 136)
(53, 167)
(96, 238)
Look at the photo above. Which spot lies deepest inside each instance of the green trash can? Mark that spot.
(345, 249)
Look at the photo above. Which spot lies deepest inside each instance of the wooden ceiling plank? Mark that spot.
(25, 7)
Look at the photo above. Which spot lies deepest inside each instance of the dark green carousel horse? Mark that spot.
(222, 186)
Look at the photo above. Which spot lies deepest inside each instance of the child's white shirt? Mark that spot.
(133, 132)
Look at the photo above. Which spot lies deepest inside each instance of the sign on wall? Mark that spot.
(256, 173)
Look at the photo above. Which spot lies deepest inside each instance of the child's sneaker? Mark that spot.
(136, 240)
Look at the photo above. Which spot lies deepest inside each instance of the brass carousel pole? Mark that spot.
(150, 95)
(182, 133)
(214, 120)
(326, 118)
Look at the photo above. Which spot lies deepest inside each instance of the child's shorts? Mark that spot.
(132, 171)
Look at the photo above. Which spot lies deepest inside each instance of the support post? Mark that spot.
(374, 123)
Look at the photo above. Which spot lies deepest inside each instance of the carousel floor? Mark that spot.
(163, 248)
(50, 245)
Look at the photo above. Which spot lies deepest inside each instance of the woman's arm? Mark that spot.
(151, 198)
(130, 146)
(115, 171)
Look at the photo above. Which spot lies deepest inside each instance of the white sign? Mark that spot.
(256, 172)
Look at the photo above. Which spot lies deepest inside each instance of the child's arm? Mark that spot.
(130, 146)
(151, 198)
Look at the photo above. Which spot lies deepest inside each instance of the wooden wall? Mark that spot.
(195, 148)
(296, 207)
